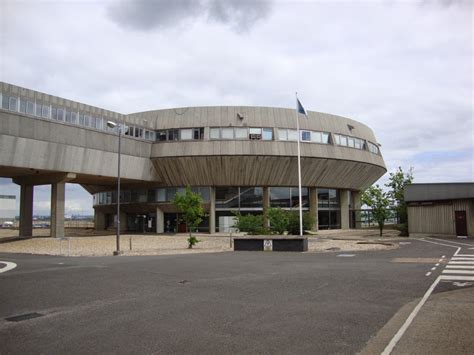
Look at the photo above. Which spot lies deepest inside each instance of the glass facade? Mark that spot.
(146, 195)
(230, 199)
(288, 197)
(329, 209)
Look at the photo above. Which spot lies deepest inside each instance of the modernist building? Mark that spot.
(237, 158)
(440, 209)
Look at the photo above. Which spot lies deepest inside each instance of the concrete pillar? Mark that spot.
(357, 205)
(344, 200)
(99, 220)
(58, 191)
(212, 211)
(313, 206)
(26, 211)
(266, 206)
(160, 221)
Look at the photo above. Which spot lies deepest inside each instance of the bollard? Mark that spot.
(130, 243)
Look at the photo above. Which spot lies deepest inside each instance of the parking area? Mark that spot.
(243, 302)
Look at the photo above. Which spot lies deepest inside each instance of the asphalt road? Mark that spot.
(235, 302)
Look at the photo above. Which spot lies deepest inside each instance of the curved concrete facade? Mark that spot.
(40, 145)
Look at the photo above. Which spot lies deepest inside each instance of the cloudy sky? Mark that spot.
(402, 67)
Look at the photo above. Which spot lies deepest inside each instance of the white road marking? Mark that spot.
(396, 338)
(471, 255)
(462, 284)
(437, 264)
(410, 318)
(460, 266)
(461, 262)
(457, 278)
(446, 245)
(8, 266)
(449, 241)
(458, 272)
(428, 273)
(433, 268)
(457, 258)
(443, 256)
(346, 255)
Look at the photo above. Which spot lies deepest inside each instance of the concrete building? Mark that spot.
(443, 209)
(238, 158)
(7, 208)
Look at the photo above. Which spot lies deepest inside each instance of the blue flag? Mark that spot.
(300, 108)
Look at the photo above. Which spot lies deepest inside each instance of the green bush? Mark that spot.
(279, 220)
(403, 228)
(251, 224)
(192, 241)
(294, 222)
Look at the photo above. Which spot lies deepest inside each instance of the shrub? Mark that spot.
(192, 241)
(279, 220)
(294, 222)
(403, 228)
(251, 224)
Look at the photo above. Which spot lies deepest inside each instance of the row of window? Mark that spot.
(305, 136)
(47, 111)
(348, 141)
(373, 148)
(227, 198)
(139, 132)
(183, 134)
(146, 196)
(254, 133)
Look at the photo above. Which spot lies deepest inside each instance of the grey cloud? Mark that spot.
(241, 15)
(446, 3)
(147, 15)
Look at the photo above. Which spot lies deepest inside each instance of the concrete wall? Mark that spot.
(438, 219)
(46, 145)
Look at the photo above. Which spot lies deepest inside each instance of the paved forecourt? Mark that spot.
(208, 303)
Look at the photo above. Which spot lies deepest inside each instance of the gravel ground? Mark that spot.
(88, 243)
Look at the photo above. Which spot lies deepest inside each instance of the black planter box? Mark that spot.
(271, 244)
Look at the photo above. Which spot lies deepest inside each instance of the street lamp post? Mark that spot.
(112, 125)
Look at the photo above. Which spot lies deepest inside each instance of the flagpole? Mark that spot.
(299, 167)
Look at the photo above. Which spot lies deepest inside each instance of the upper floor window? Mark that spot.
(373, 148)
(348, 141)
(255, 133)
(305, 136)
(22, 105)
(267, 134)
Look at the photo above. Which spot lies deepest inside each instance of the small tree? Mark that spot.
(379, 202)
(190, 204)
(397, 182)
(279, 220)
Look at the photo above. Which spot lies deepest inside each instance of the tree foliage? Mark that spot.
(379, 202)
(190, 204)
(249, 223)
(294, 222)
(278, 219)
(397, 182)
